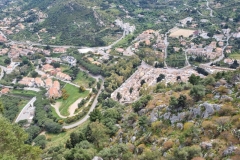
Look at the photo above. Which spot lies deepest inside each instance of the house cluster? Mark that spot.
(125, 26)
(3, 39)
(185, 21)
(3, 51)
(59, 50)
(47, 68)
(11, 67)
(70, 60)
(17, 23)
(210, 51)
(24, 50)
(53, 87)
(131, 87)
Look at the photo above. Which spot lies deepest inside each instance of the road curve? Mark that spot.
(84, 119)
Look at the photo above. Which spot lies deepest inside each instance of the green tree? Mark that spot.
(34, 74)
(1, 108)
(40, 141)
(160, 77)
(143, 121)
(194, 79)
(43, 59)
(97, 134)
(52, 127)
(119, 96)
(82, 89)
(182, 101)
(12, 146)
(95, 115)
(173, 102)
(7, 61)
(197, 92)
(55, 64)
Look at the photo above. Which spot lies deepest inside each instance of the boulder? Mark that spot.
(217, 96)
(206, 145)
(153, 116)
(179, 126)
(133, 139)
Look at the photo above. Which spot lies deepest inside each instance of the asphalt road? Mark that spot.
(27, 111)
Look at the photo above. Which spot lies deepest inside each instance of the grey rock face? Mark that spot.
(208, 110)
(227, 98)
(229, 150)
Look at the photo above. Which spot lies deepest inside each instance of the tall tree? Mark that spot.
(95, 115)
(197, 92)
(119, 96)
(12, 146)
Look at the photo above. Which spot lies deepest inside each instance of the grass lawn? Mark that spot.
(73, 96)
(235, 56)
(54, 113)
(24, 93)
(83, 79)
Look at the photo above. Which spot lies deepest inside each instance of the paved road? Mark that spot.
(211, 11)
(27, 111)
(2, 71)
(86, 116)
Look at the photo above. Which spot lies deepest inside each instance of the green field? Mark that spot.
(235, 56)
(73, 96)
(83, 79)
(25, 93)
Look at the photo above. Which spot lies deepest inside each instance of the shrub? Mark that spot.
(226, 110)
(208, 125)
(188, 125)
(141, 148)
(167, 145)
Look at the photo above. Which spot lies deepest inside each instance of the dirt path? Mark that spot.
(56, 106)
(73, 107)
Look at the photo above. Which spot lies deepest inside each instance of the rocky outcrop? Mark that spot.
(202, 111)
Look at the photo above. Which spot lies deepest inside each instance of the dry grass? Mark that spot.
(182, 32)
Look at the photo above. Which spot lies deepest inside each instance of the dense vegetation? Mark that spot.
(12, 139)
(12, 106)
(130, 132)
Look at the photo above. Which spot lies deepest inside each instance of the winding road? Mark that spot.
(84, 119)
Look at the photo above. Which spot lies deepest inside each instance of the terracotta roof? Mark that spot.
(5, 90)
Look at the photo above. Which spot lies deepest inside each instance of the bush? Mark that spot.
(226, 110)
(188, 125)
(167, 145)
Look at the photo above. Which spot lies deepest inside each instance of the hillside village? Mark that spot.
(96, 80)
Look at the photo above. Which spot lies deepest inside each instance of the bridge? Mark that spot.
(27, 112)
